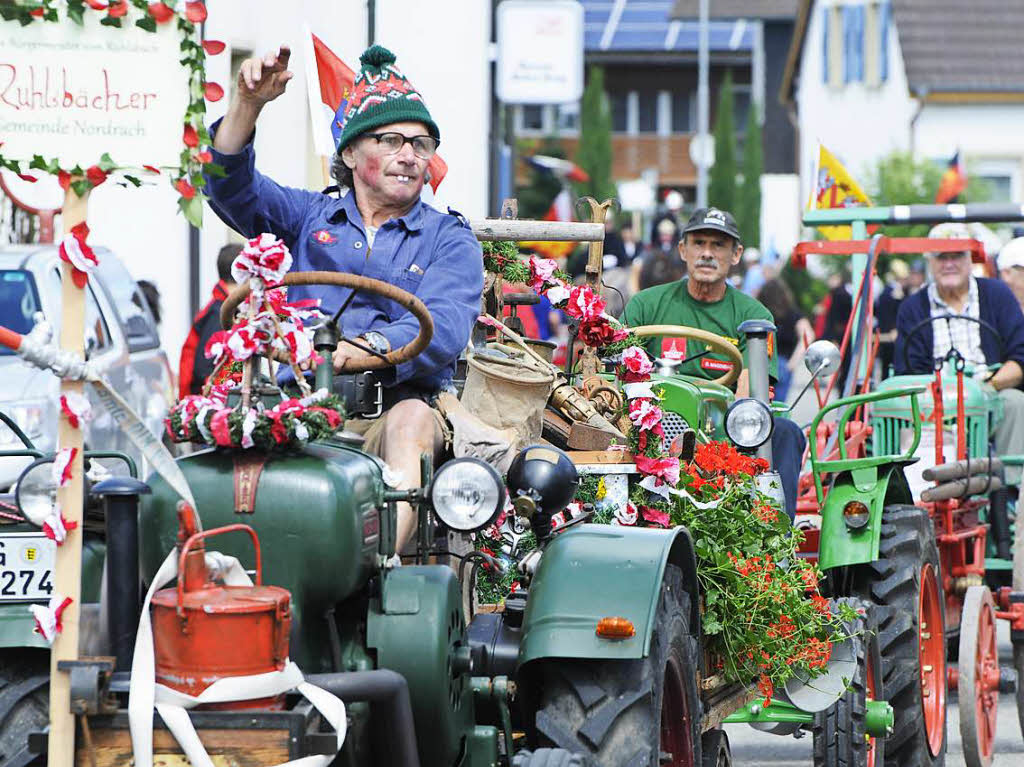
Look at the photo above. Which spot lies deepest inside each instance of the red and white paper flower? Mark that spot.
(76, 407)
(664, 470)
(644, 414)
(48, 617)
(56, 526)
(62, 465)
(626, 516)
(265, 257)
(76, 252)
(637, 365)
(584, 303)
(542, 273)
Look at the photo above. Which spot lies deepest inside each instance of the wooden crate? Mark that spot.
(232, 739)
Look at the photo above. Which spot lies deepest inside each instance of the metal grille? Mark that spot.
(886, 435)
(673, 424)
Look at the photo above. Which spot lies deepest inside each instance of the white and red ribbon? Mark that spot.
(76, 252)
(56, 526)
(48, 620)
(76, 407)
(62, 465)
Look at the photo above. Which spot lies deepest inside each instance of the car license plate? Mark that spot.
(26, 567)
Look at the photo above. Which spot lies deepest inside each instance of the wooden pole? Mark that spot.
(67, 580)
(589, 364)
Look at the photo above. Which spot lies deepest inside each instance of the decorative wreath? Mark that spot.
(188, 178)
(268, 323)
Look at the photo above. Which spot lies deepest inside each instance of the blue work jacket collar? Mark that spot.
(347, 210)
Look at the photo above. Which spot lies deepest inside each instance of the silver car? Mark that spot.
(119, 331)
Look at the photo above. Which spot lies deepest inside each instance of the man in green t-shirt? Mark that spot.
(704, 299)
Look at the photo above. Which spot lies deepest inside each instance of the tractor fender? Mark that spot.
(598, 571)
(876, 486)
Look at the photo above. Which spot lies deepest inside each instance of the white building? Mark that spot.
(866, 77)
(444, 50)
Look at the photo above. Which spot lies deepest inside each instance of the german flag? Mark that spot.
(954, 182)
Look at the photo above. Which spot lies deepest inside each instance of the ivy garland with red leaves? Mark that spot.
(188, 179)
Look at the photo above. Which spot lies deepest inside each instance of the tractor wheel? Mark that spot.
(840, 733)
(714, 746)
(1018, 662)
(549, 757)
(978, 677)
(904, 585)
(642, 713)
(24, 704)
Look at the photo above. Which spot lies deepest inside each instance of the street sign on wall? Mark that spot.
(540, 51)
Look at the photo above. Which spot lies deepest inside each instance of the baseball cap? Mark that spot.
(712, 218)
(950, 230)
(1012, 254)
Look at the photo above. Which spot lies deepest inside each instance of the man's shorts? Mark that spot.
(374, 430)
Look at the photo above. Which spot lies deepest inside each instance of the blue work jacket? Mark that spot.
(428, 253)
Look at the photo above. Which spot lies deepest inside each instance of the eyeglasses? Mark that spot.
(422, 146)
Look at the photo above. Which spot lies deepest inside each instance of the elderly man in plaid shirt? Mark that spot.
(954, 290)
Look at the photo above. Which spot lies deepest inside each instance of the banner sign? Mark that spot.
(540, 52)
(73, 93)
(89, 89)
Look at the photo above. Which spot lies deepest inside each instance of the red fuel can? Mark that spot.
(203, 631)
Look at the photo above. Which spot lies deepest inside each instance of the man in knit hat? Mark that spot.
(377, 228)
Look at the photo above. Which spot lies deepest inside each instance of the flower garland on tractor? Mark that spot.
(763, 616)
(268, 323)
(188, 177)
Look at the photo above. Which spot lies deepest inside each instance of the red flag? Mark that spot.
(336, 84)
(954, 181)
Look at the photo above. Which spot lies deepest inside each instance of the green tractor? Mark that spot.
(608, 675)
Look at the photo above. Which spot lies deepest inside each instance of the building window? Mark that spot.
(647, 115)
(1000, 178)
(684, 105)
(567, 118)
(531, 118)
(620, 109)
(853, 43)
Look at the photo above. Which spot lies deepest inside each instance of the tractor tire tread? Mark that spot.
(607, 710)
(892, 585)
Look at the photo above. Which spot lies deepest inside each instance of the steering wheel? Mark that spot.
(716, 342)
(356, 282)
(919, 328)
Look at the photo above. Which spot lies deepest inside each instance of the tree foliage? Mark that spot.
(748, 195)
(722, 181)
(594, 151)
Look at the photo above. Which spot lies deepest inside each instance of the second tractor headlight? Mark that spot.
(467, 494)
(749, 423)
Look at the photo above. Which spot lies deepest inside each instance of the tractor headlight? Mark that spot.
(467, 494)
(749, 423)
(36, 491)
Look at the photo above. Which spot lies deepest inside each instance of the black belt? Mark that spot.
(365, 397)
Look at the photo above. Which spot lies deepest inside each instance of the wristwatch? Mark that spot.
(377, 342)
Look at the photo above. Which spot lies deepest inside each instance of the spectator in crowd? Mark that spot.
(918, 277)
(631, 249)
(193, 367)
(151, 293)
(887, 307)
(671, 212)
(1011, 267)
(793, 331)
(754, 277)
(659, 264)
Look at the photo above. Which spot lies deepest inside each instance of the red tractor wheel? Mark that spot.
(978, 685)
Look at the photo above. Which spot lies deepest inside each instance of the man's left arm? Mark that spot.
(1010, 325)
(451, 288)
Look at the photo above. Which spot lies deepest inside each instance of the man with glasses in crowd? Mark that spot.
(377, 228)
(995, 337)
